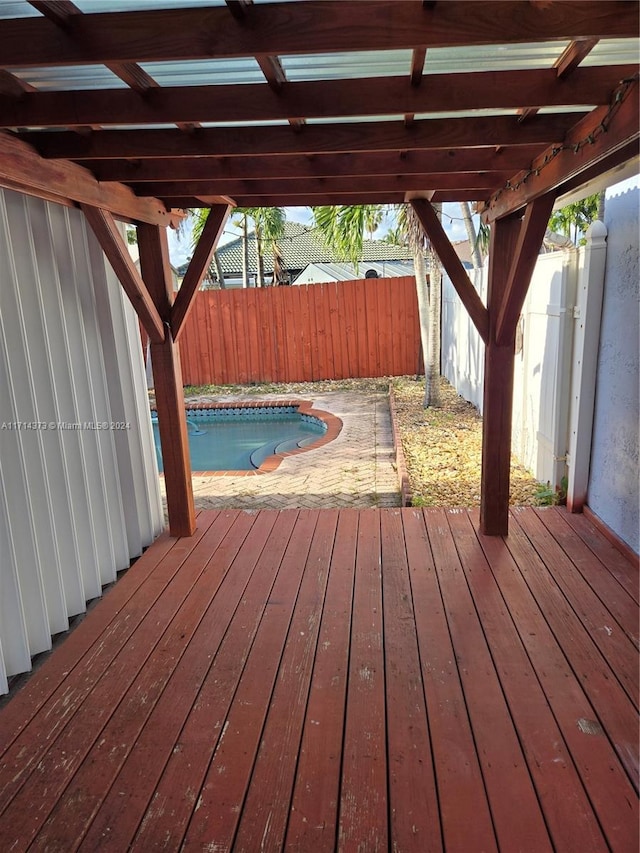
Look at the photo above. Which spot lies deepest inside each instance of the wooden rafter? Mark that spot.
(532, 231)
(361, 136)
(198, 266)
(267, 167)
(118, 255)
(565, 65)
(452, 264)
(282, 28)
(67, 183)
(310, 186)
(326, 99)
(585, 146)
(61, 12)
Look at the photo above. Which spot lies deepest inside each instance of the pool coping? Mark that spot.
(271, 463)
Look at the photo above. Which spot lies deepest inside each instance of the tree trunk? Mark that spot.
(245, 253)
(260, 258)
(219, 271)
(422, 292)
(476, 257)
(601, 204)
(432, 368)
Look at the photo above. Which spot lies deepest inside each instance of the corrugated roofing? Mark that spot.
(205, 72)
(343, 66)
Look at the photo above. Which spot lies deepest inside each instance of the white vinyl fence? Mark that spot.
(79, 492)
(548, 355)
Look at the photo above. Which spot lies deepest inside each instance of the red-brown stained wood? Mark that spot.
(314, 805)
(461, 789)
(119, 818)
(327, 331)
(517, 820)
(59, 748)
(363, 792)
(216, 817)
(608, 787)
(597, 619)
(413, 802)
(617, 601)
(266, 807)
(606, 695)
(557, 782)
(498, 388)
(76, 808)
(168, 813)
(244, 650)
(625, 572)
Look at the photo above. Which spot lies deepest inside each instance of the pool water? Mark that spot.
(240, 439)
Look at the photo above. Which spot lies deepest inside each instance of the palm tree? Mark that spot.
(268, 227)
(343, 228)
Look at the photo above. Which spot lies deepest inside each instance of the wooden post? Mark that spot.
(498, 387)
(513, 253)
(165, 360)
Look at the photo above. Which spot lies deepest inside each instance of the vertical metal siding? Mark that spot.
(75, 504)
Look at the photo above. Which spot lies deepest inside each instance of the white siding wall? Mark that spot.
(614, 473)
(75, 504)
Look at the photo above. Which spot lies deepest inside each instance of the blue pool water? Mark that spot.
(240, 439)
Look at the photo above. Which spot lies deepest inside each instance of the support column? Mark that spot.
(165, 360)
(498, 387)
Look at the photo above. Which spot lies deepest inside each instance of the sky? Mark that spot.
(180, 248)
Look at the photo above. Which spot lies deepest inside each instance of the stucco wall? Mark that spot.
(613, 480)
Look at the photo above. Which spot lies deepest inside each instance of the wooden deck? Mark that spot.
(340, 680)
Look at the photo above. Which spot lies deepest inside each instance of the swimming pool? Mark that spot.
(248, 438)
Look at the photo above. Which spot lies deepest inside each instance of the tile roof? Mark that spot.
(301, 245)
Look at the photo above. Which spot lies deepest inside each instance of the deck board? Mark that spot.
(340, 680)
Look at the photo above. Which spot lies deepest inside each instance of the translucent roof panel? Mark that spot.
(17, 9)
(467, 114)
(492, 57)
(71, 77)
(89, 6)
(613, 52)
(270, 123)
(205, 72)
(343, 66)
(354, 119)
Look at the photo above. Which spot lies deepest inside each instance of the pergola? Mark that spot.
(133, 115)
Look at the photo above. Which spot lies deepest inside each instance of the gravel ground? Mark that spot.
(442, 447)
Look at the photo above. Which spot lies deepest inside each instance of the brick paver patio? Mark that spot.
(354, 470)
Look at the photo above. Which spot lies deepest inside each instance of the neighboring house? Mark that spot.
(329, 272)
(299, 246)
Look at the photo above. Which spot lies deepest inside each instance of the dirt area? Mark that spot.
(442, 447)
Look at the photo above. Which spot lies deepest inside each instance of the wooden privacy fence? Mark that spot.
(295, 334)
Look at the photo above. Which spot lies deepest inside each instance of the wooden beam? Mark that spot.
(198, 266)
(282, 200)
(532, 231)
(452, 264)
(573, 55)
(285, 28)
(167, 376)
(584, 146)
(22, 169)
(250, 141)
(508, 159)
(313, 99)
(115, 249)
(566, 65)
(481, 181)
(498, 389)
